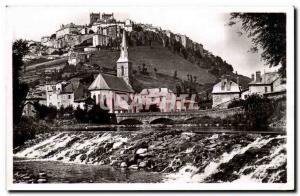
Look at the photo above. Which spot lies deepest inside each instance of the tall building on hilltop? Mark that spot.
(94, 17)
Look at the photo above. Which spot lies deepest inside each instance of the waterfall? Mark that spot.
(190, 173)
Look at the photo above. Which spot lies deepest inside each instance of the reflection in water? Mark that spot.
(59, 172)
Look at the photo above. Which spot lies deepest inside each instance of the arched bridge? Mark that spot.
(157, 117)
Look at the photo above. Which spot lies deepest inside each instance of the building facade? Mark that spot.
(224, 92)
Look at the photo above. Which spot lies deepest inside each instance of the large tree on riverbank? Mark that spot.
(19, 50)
(268, 33)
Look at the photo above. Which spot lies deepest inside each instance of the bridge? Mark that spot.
(157, 117)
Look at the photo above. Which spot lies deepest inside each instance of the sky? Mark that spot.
(206, 26)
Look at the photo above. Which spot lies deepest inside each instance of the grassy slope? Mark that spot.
(159, 57)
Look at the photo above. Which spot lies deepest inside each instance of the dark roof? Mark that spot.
(116, 83)
(110, 82)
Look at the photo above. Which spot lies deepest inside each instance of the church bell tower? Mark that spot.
(123, 64)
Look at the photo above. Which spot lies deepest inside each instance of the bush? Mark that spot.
(95, 115)
(258, 111)
(44, 113)
(236, 103)
(80, 115)
(25, 130)
(98, 115)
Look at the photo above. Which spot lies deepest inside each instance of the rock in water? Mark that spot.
(42, 180)
(123, 164)
(141, 151)
(143, 164)
(133, 167)
(42, 174)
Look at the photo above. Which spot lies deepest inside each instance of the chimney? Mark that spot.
(252, 77)
(238, 80)
(258, 77)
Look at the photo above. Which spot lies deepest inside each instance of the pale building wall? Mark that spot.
(222, 98)
(65, 100)
(261, 89)
(278, 85)
(100, 95)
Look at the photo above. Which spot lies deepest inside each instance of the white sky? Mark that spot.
(206, 26)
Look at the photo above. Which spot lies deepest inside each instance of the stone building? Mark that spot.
(163, 98)
(269, 84)
(68, 29)
(94, 17)
(114, 92)
(224, 92)
(100, 40)
(77, 57)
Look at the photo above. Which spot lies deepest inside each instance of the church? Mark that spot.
(111, 92)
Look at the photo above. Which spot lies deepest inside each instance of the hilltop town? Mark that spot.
(105, 60)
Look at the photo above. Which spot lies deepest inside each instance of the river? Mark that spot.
(153, 154)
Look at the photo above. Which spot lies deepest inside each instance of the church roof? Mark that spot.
(110, 82)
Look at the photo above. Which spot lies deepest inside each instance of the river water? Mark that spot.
(154, 154)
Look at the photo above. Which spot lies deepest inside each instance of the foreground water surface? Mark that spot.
(152, 155)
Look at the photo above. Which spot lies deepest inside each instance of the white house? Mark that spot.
(269, 84)
(224, 92)
(163, 98)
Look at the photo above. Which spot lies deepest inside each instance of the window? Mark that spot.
(272, 88)
(104, 101)
(122, 71)
(69, 96)
(266, 89)
(223, 86)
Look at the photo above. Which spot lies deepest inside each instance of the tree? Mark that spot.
(175, 74)
(80, 115)
(41, 111)
(98, 115)
(154, 108)
(195, 79)
(268, 33)
(20, 90)
(53, 36)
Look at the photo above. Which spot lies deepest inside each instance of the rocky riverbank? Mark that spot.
(166, 151)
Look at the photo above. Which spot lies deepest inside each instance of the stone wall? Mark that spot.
(148, 117)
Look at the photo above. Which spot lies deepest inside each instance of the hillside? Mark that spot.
(157, 57)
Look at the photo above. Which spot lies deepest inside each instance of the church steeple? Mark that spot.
(124, 52)
(123, 64)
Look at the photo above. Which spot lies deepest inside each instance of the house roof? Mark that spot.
(71, 87)
(76, 87)
(266, 78)
(110, 82)
(234, 88)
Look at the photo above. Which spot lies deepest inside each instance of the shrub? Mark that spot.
(80, 115)
(98, 115)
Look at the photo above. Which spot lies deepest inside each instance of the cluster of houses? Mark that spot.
(101, 31)
(269, 84)
(116, 94)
